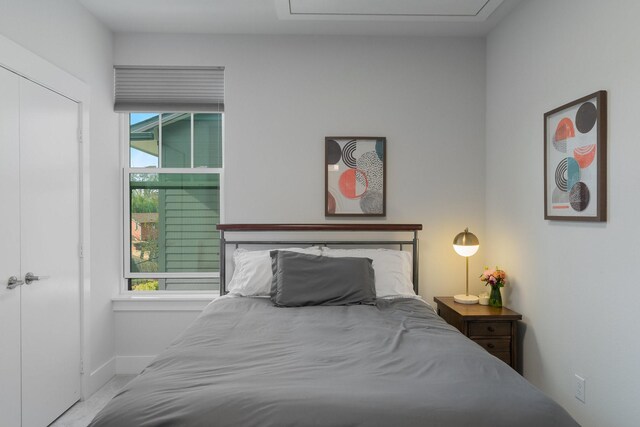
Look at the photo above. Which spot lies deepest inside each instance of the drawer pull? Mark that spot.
(490, 329)
(490, 345)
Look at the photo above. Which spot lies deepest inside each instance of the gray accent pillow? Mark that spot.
(301, 280)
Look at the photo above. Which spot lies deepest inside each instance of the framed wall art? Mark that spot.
(575, 160)
(355, 176)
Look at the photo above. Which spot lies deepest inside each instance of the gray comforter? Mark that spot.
(244, 362)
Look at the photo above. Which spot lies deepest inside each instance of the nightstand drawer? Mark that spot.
(489, 329)
(494, 345)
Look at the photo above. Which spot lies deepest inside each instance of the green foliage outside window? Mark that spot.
(144, 285)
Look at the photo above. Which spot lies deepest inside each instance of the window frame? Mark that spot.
(125, 242)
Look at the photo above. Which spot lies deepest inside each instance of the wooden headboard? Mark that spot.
(275, 228)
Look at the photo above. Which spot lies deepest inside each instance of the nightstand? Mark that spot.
(494, 329)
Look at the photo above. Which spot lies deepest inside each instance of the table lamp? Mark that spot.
(466, 244)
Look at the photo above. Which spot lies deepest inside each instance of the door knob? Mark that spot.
(14, 282)
(30, 277)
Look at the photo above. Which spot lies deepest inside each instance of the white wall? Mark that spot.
(284, 94)
(141, 335)
(66, 35)
(575, 283)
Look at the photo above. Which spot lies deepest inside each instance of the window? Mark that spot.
(172, 201)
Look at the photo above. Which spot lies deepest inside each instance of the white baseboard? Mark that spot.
(100, 377)
(131, 365)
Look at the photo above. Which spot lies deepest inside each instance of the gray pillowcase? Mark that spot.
(302, 280)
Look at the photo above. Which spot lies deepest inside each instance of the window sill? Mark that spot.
(162, 302)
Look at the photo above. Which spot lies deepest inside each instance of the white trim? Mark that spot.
(132, 365)
(193, 171)
(162, 302)
(100, 377)
(192, 142)
(124, 160)
(126, 228)
(125, 235)
(23, 62)
(286, 13)
(32, 67)
(165, 275)
(223, 183)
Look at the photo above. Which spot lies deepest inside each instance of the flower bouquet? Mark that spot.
(496, 279)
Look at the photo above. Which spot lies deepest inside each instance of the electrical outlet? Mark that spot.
(580, 388)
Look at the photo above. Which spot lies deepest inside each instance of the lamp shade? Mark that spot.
(466, 243)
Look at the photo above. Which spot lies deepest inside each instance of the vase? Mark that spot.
(495, 298)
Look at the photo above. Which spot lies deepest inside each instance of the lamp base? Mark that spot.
(466, 299)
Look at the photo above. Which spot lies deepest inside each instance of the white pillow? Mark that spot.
(393, 269)
(252, 271)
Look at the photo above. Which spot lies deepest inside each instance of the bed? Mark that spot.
(392, 361)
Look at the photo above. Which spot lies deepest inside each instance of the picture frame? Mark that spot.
(355, 176)
(575, 160)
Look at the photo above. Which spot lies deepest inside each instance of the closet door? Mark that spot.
(49, 201)
(9, 249)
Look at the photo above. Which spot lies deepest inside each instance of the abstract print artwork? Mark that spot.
(355, 176)
(575, 160)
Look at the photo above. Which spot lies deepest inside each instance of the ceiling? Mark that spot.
(338, 17)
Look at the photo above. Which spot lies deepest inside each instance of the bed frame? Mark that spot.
(276, 228)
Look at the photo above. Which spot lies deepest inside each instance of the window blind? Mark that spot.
(174, 89)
